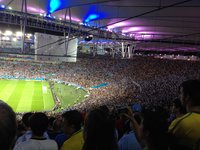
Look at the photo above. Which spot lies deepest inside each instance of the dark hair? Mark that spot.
(99, 131)
(177, 104)
(38, 123)
(8, 126)
(155, 124)
(191, 88)
(25, 119)
(104, 108)
(73, 117)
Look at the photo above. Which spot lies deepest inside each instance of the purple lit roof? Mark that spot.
(171, 21)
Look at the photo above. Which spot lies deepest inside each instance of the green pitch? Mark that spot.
(69, 95)
(30, 95)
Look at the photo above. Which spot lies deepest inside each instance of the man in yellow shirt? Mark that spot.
(72, 127)
(185, 130)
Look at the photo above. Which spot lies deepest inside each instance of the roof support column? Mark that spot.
(65, 19)
(23, 23)
(69, 30)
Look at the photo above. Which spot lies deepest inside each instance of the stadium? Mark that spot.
(57, 56)
(40, 42)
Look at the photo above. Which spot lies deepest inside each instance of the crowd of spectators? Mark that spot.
(151, 83)
(105, 129)
(142, 79)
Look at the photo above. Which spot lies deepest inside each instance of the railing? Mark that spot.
(51, 24)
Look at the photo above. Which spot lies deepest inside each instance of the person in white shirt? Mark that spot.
(38, 125)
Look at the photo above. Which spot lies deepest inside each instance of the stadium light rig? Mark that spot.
(3, 6)
(54, 5)
(91, 17)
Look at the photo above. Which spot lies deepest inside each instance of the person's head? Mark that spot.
(38, 123)
(104, 108)
(154, 127)
(72, 121)
(50, 123)
(177, 107)
(8, 126)
(25, 119)
(190, 93)
(57, 125)
(99, 131)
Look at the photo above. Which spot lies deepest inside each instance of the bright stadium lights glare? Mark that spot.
(91, 17)
(14, 39)
(29, 34)
(60, 18)
(8, 33)
(5, 38)
(10, 8)
(48, 15)
(18, 34)
(3, 6)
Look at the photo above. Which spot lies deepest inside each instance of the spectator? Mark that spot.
(7, 126)
(99, 131)
(72, 128)
(38, 125)
(129, 140)
(154, 129)
(186, 129)
(28, 134)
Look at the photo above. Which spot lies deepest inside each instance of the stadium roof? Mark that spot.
(169, 20)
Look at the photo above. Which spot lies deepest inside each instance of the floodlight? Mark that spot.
(18, 34)
(8, 33)
(3, 6)
(14, 39)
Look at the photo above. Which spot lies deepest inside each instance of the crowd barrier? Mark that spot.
(21, 78)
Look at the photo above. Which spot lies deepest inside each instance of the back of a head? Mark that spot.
(25, 119)
(38, 123)
(104, 108)
(7, 126)
(99, 131)
(74, 118)
(155, 126)
(191, 88)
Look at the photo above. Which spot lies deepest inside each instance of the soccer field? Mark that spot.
(27, 95)
(31, 95)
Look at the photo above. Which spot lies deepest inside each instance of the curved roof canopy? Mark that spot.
(150, 19)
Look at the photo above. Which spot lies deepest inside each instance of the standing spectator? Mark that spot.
(72, 128)
(28, 134)
(128, 141)
(38, 124)
(99, 131)
(177, 110)
(186, 129)
(7, 126)
(154, 129)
